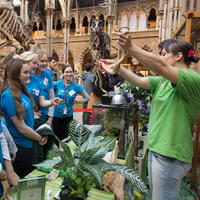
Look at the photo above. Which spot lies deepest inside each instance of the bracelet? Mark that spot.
(51, 102)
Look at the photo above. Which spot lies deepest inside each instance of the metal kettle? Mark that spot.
(118, 99)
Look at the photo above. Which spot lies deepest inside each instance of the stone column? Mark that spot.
(163, 37)
(197, 5)
(158, 19)
(66, 23)
(175, 15)
(49, 31)
(22, 9)
(183, 9)
(78, 67)
(26, 12)
(171, 11)
(115, 15)
(38, 25)
(110, 18)
(191, 7)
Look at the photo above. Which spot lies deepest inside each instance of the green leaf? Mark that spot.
(109, 142)
(98, 155)
(53, 154)
(132, 176)
(78, 132)
(47, 164)
(60, 166)
(95, 171)
(105, 166)
(86, 155)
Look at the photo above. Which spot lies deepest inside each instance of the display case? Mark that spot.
(115, 122)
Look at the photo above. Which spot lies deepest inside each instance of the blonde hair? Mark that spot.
(26, 56)
(40, 53)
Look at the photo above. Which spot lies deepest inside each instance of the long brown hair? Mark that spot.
(12, 81)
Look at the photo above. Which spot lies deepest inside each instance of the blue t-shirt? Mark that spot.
(8, 107)
(34, 87)
(75, 89)
(1, 129)
(3, 167)
(46, 83)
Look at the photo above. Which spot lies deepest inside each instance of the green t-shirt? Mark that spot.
(173, 113)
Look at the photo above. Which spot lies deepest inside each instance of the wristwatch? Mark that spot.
(3, 175)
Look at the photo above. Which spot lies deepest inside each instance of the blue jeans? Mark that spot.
(165, 176)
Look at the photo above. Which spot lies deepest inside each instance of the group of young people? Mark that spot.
(29, 92)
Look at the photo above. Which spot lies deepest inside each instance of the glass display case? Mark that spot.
(115, 122)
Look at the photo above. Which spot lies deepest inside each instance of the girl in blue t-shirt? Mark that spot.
(46, 81)
(67, 90)
(34, 84)
(16, 105)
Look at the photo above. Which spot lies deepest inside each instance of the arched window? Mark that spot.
(133, 22)
(124, 20)
(152, 19)
(92, 18)
(58, 25)
(40, 26)
(72, 26)
(142, 23)
(85, 24)
(35, 26)
(105, 23)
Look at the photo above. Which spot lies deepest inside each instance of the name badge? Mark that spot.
(65, 110)
(45, 81)
(71, 93)
(37, 92)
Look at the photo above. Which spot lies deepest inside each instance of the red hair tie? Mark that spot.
(191, 53)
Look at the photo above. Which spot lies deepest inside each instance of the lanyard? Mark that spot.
(67, 92)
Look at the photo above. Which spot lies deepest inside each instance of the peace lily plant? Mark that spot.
(88, 165)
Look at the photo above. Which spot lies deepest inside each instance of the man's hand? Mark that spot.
(124, 40)
(109, 66)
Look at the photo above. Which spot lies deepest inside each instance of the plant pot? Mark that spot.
(68, 197)
(71, 197)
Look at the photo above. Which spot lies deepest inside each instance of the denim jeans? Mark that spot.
(165, 176)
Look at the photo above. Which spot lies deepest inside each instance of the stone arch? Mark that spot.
(142, 20)
(72, 16)
(72, 26)
(124, 10)
(58, 24)
(83, 15)
(70, 58)
(90, 15)
(101, 12)
(63, 8)
(133, 20)
(35, 28)
(55, 54)
(86, 56)
(151, 19)
(150, 7)
(124, 18)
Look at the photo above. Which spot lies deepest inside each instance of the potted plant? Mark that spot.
(88, 164)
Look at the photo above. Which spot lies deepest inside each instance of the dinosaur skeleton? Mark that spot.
(12, 26)
(100, 42)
